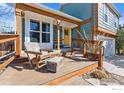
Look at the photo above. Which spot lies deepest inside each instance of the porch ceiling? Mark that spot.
(49, 19)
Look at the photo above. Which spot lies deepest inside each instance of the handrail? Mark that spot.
(10, 55)
(6, 38)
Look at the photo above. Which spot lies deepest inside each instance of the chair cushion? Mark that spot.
(32, 47)
(55, 59)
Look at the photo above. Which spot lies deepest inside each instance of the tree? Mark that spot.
(120, 39)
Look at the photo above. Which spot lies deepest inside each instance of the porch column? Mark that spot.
(18, 32)
(84, 47)
(58, 34)
(100, 57)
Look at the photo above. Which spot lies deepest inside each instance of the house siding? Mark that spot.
(83, 12)
(78, 10)
(109, 43)
(41, 18)
(111, 17)
(23, 34)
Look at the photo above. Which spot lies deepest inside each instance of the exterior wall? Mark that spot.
(84, 11)
(109, 43)
(40, 18)
(78, 10)
(23, 34)
(112, 18)
(81, 11)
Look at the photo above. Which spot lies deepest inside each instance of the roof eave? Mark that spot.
(45, 8)
(112, 6)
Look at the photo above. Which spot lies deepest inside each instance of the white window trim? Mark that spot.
(34, 31)
(106, 14)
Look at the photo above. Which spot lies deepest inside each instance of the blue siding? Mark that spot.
(95, 14)
(82, 11)
(79, 10)
(23, 34)
(111, 17)
(88, 29)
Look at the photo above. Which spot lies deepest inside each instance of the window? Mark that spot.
(115, 25)
(106, 14)
(45, 32)
(34, 31)
(34, 25)
(34, 37)
(106, 18)
(115, 21)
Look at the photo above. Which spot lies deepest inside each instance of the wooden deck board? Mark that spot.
(17, 75)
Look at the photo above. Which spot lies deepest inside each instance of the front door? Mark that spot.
(67, 36)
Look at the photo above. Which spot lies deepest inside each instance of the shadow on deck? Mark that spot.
(20, 73)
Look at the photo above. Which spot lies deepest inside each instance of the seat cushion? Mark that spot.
(55, 59)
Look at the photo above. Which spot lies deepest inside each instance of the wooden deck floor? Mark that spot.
(19, 74)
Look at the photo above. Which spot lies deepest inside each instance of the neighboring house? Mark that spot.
(103, 26)
(49, 28)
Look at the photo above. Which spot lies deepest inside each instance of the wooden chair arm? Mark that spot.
(33, 52)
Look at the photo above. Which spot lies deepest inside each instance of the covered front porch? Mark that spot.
(46, 27)
(45, 31)
(36, 24)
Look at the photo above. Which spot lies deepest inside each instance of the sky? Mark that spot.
(119, 6)
(7, 17)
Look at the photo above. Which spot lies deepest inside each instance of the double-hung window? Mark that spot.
(45, 32)
(115, 21)
(34, 31)
(106, 19)
(115, 25)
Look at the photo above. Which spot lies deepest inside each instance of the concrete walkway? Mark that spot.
(115, 65)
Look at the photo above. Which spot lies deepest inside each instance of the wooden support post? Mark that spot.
(92, 35)
(97, 16)
(100, 59)
(84, 48)
(58, 34)
(18, 29)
